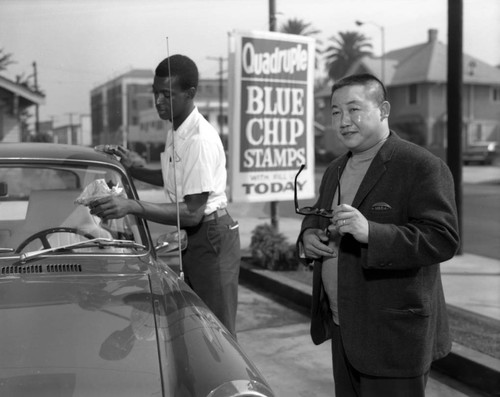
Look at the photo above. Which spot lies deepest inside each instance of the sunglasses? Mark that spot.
(313, 210)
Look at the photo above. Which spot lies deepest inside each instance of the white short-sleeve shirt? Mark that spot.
(200, 163)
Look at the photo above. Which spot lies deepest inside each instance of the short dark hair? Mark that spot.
(179, 66)
(362, 79)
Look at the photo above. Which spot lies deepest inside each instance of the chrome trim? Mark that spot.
(242, 388)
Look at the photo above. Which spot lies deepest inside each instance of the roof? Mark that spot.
(139, 75)
(22, 91)
(426, 62)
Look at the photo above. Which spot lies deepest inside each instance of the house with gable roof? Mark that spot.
(416, 81)
(14, 99)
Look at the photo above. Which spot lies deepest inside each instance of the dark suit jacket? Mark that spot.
(392, 311)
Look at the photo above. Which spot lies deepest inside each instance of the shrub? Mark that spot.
(271, 250)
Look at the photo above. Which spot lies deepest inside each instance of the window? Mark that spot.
(413, 94)
(223, 118)
(495, 94)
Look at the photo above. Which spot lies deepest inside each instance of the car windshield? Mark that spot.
(44, 206)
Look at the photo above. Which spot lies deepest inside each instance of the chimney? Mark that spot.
(433, 35)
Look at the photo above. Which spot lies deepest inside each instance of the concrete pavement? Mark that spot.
(276, 338)
(470, 281)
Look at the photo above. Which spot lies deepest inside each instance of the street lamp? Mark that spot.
(382, 33)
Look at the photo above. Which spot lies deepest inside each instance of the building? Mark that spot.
(115, 107)
(15, 100)
(416, 80)
(75, 132)
(123, 112)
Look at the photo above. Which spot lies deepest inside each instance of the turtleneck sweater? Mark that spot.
(350, 180)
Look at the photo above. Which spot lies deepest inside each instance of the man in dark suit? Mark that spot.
(377, 289)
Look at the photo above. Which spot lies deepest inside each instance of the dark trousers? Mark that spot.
(211, 264)
(351, 383)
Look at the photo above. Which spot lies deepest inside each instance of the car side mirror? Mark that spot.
(170, 241)
(4, 189)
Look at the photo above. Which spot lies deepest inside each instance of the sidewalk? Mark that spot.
(470, 282)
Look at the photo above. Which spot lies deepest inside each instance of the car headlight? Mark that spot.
(242, 388)
(492, 147)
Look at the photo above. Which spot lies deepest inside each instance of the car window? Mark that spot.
(43, 207)
(21, 180)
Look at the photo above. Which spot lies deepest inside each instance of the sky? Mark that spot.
(80, 44)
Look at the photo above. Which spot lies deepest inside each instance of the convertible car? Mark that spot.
(88, 308)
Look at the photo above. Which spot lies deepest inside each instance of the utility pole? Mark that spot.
(70, 136)
(454, 101)
(221, 91)
(37, 110)
(272, 28)
(272, 15)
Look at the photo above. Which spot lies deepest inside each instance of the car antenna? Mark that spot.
(181, 271)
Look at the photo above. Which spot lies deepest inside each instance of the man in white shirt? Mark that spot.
(212, 259)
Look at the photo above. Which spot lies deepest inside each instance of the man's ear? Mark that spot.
(385, 110)
(191, 92)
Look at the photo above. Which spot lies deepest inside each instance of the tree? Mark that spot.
(298, 27)
(345, 49)
(301, 28)
(5, 59)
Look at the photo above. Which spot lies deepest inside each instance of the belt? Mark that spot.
(214, 215)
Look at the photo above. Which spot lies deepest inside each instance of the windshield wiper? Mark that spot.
(100, 242)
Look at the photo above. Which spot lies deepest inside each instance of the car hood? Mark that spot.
(126, 330)
(78, 335)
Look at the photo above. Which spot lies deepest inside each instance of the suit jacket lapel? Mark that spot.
(376, 170)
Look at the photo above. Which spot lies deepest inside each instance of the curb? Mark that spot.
(468, 366)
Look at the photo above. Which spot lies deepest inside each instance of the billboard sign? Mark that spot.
(271, 117)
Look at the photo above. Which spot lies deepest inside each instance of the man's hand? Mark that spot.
(111, 207)
(315, 243)
(348, 219)
(117, 150)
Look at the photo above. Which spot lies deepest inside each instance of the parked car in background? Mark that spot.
(481, 153)
(88, 308)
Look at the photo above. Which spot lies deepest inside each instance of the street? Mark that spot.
(481, 219)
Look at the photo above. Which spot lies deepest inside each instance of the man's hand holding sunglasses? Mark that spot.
(315, 244)
(347, 219)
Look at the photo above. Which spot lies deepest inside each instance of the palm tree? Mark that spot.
(347, 48)
(300, 27)
(5, 59)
